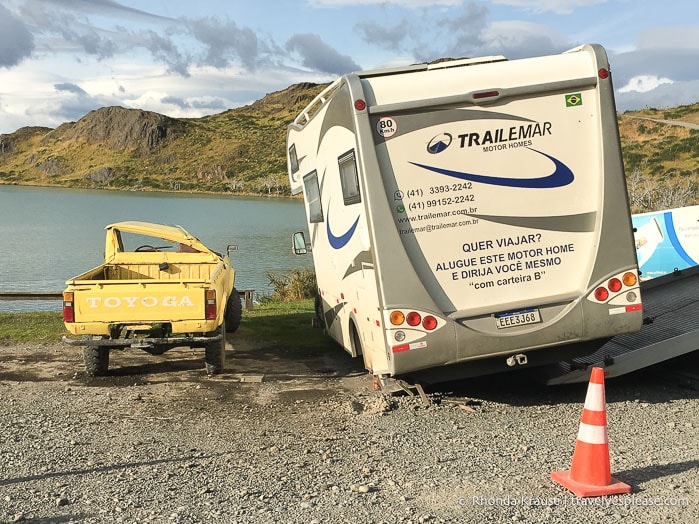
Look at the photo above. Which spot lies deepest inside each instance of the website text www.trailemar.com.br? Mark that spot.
(605, 501)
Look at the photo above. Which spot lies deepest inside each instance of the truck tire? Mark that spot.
(234, 312)
(96, 360)
(215, 353)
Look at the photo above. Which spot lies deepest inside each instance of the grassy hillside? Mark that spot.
(661, 157)
(242, 151)
(238, 151)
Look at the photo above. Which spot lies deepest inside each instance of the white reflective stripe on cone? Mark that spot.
(594, 401)
(592, 434)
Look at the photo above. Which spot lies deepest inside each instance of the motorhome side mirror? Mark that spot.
(298, 243)
(231, 248)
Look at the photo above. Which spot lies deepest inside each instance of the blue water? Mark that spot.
(48, 235)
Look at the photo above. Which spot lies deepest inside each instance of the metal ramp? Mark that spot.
(670, 329)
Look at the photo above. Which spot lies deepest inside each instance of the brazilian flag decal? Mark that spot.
(574, 100)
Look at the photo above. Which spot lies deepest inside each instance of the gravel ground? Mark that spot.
(158, 441)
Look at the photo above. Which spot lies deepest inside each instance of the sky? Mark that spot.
(60, 59)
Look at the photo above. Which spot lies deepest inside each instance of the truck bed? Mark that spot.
(152, 271)
(180, 267)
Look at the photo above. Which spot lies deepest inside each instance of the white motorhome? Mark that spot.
(469, 213)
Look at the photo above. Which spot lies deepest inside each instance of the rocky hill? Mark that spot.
(238, 151)
(242, 151)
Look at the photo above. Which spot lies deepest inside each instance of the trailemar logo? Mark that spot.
(439, 143)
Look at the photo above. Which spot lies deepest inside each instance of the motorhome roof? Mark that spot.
(462, 62)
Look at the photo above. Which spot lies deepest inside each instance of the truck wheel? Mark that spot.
(234, 312)
(215, 353)
(96, 360)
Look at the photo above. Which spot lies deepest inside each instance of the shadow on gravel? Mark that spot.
(652, 385)
(324, 367)
(178, 369)
(638, 476)
(103, 469)
(51, 520)
(271, 363)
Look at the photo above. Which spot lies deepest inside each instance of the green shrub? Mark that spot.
(298, 284)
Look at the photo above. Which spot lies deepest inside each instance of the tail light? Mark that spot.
(68, 307)
(413, 319)
(210, 309)
(615, 285)
(397, 318)
(429, 323)
(601, 293)
(629, 279)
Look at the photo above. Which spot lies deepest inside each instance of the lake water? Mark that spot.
(48, 235)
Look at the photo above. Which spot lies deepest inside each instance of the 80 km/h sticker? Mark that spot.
(386, 127)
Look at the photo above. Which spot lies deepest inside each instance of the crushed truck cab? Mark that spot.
(159, 287)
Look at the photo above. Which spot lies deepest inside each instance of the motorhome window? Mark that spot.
(293, 159)
(312, 190)
(349, 178)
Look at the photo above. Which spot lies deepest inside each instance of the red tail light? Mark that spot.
(614, 285)
(414, 318)
(68, 307)
(210, 308)
(429, 323)
(601, 294)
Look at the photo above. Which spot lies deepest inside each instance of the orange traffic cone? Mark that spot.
(589, 474)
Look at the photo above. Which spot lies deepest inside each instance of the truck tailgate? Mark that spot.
(139, 301)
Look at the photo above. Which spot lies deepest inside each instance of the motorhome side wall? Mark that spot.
(328, 174)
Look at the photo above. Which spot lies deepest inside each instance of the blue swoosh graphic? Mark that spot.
(340, 241)
(562, 176)
(670, 227)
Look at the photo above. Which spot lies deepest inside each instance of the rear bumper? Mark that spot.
(80, 328)
(142, 343)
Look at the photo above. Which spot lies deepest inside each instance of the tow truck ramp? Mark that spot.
(670, 329)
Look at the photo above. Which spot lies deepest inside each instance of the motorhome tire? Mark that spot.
(318, 306)
(356, 341)
(96, 360)
(215, 353)
(234, 312)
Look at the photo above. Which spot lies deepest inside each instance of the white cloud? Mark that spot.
(670, 37)
(16, 42)
(678, 65)
(644, 83)
(400, 3)
(557, 6)
(663, 96)
(207, 90)
(79, 54)
(516, 39)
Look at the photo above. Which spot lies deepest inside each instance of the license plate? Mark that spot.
(517, 318)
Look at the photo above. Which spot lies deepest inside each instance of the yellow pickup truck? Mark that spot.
(159, 288)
